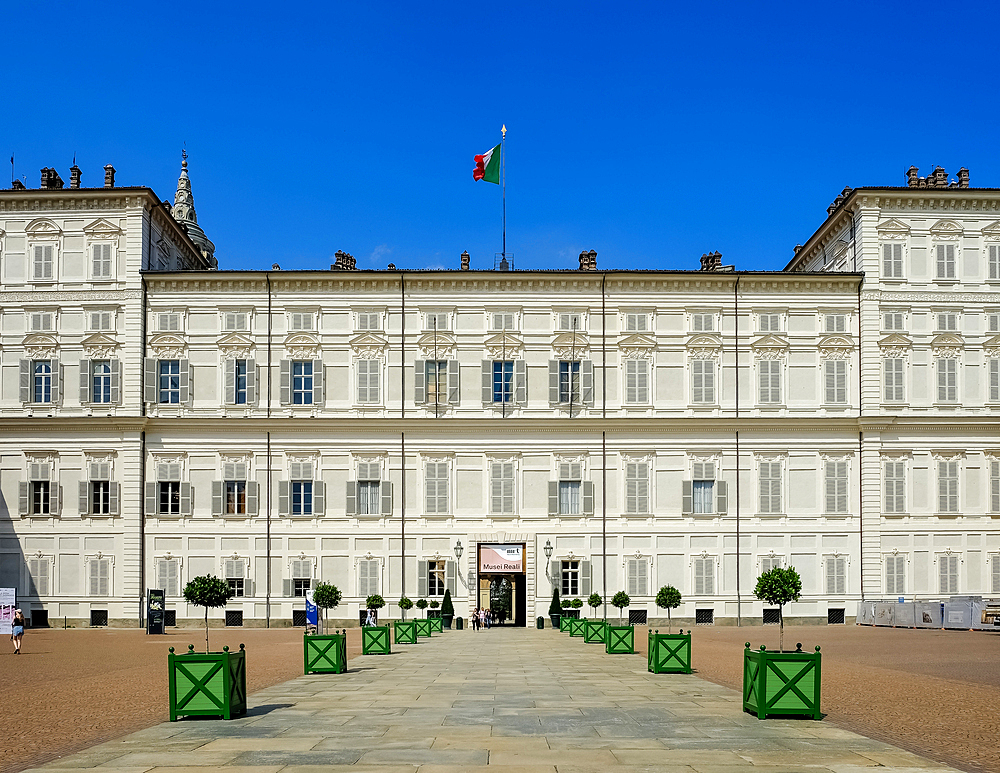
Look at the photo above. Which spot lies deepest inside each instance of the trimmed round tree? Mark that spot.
(620, 601)
(594, 602)
(404, 604)
(779, 587)
(209, 592)
(576, 603)
(668, 598)
(434, 604)
(326, 596)
(422, 605)
(565, 603)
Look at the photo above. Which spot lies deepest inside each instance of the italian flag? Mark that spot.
(488, 166)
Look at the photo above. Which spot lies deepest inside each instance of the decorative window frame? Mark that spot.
(649, 312)
(638, 457)
(317, 317)
(991, 238)
(99, 556)
(43, 232)
(782, 459)
(946, 231)
(41, 555)
(518, 313)
(958, 457)
(579, 310)
(356, 313)
(893, 231)
(102, 231)
(497, 458)
(714, 313)
(437, 458)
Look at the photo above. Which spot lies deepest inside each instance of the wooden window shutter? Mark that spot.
(554, 381)
(585, 579)
(487, 380)
(587, 497)
(520, 382)
(351, 500)
(85, 381)
(587, 382)
(56, 373)
(229, 382)
(150, 381)
(421, 578)
(319, 498)
(184, 381)
(317, 382)
(251, 382)
(285, 378)
(721, 497)
(419, 382)
(454, 394)
(83, 503)
(187, 498)
(385, 490)
(283, 497)
(450, 577)
(687, 497)
(218, 497)
(553, 497)
(24, 381)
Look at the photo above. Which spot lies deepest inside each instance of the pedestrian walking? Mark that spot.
(17, 632)
(371, 620)
(475, 619)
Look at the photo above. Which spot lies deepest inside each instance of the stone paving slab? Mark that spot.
(502, 701)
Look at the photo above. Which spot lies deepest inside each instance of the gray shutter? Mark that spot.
(150, 386)
(556, 574)
(253, 496)
(84, 497)
(24, 380)
(449, 577)
(585, 579)
(421, 579)
(152, 498)
(385, 488)
(55, 498)
(317, 382)
(454, 395)
(419, 382)
(286, 588)
(114, 499)
(184, 380)
(56, 388)
(319, 497)
(187, 497)
(553, 381)
(85, 381)
(22, 497)
(217, 496)
(351, 506)
(116, 382)
(721, 497)
(229, 382)
(487, 381)
(587, 491)
(587, 382)
(251, 382)
(520, 382)
(687, 497)
(283, 497)
(553, 497)
(286, 382)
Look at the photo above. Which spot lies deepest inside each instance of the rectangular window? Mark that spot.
(704, 577)
(42, 381)
(369, 497)
(100, 497)
(43, 261)
(836, 575)
(770, 487)
(301, 320)
(836, 323)
(100, 321)
(41, 322)
(947, 376)
(236, 496)
(836, 487)
(995, 574)
(767, 563)
(995, 486)
(636, 487)
(234, 321)
(892, 380)
(569, 381)
(435, 578)
(302, 382)
(703, 381)
(994, 380)
(995, 261)
(436, 321)
(502, 488)
(170, 381)
(100, 375)
(570, 322)
(167, 323)
(570, 578)
(702, 323)
(835, 372)
(993, 323)
(895, 486)
(892, 261)
(436, 488)
(369, 372)
(170, 497)
(948, 574)
(436, 381)
(945, 261)
(635, 323)
(895, 575)
(368, 570)
(769, 378)
(638, 577)
(503, 321)
(703, 488)
(369, 320)
(503, 381)
(240, 382)
(40, 497)
(947, 323)
(947, 487)
(236, 576)
(769, 323)
(569, 497)
(168, 576)
(892, 321)
(100, 576)
(637, 381)
(302, 497)
(101, 254)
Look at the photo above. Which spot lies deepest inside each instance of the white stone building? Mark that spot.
(164, 419)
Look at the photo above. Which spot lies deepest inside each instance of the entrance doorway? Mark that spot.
(502, 583)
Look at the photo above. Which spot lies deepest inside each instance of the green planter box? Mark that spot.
(781, 683)
(564, 623)
(207, 684)
(375, 640)
(406, 631)
(620, 639)
(437, 624)
(669, 653)
(423, 627)
(593, 631)
(325, 654)
(576, 626)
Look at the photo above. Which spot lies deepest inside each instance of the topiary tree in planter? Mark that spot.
(594, 602)
(422, 604)
(555, 609)
(374, 602)
(668, 598)
(447, 609)
(209, 592)
(326, 596)
(565, 603)
(405, 604)
(576, 603)
(620, 601)
(778, 587)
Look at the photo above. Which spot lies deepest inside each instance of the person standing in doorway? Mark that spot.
(17, 632)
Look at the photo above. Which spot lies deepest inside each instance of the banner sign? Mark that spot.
(155, 603)
(501, 558)
(312, 611)
(8, 602)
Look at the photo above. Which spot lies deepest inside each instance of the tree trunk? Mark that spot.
(670, 628)
(206, 630)
(781, 630)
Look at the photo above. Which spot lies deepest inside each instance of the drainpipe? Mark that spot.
(736, 351)
(267, 561)
(604, 445)
(402, 434)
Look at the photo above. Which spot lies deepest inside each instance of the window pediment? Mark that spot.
(102, 229)
(992, 345)
(892, 228)
(637, 340)
(42, 227)
(770, 342)
(236, 344)
(99, 346)
(40, 345)
(947, 340)
(302, 346)
(991, 232)
(167, 345)
(946, 228)
(836, 342)
(704, 341)
(440, 343)
(570, 346)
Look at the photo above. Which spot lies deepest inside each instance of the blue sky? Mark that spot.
(650, 132)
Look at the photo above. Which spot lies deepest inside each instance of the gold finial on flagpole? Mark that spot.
(503, 132)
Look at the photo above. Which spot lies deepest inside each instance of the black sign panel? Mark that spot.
(155, 601)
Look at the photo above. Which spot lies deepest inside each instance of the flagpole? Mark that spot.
(503, 174)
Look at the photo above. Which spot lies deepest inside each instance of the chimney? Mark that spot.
(465, 260)
(17, 185)
(50, 178)
(711, 261)
(74, 176)
(109, 176)
(44, 182)
(911, 177)
(940, 177)
(345, 262)
(593, 260)
(588, 260)
(963, 178)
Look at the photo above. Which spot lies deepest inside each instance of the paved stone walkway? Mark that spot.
(501, 701)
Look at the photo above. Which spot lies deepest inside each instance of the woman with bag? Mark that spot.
(17, 632)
